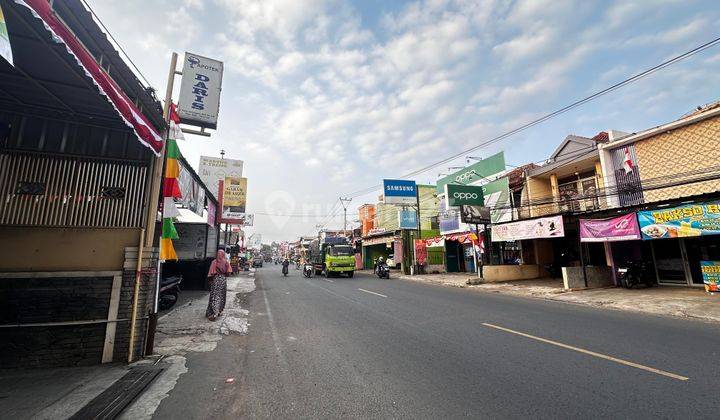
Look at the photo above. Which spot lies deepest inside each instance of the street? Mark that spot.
(371, 348)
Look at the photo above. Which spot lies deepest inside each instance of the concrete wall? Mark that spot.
(60, 249)
(693, 147)
(596, 277)
(495, 273)
(539, 189)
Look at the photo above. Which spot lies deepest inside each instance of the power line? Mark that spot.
(553, 114)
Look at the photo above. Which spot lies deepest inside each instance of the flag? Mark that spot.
(175, 132)
(171, 190)
(627, 163)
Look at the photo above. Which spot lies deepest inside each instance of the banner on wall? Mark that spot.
(449, 219)
(622, 228)
(544, 227)
(711, 275)
(679, 222)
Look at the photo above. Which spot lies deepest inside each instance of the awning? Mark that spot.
(125, 108)
(435, 242)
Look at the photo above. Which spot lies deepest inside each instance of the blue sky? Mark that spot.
(322, 98)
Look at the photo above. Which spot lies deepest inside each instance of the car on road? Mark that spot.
(257, 262)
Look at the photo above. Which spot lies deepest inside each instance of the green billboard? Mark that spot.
(477, 171)
(464, 195)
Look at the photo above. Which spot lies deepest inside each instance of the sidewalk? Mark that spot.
(58, 393)
(680, 302)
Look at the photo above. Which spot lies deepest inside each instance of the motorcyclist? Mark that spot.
(378, 262)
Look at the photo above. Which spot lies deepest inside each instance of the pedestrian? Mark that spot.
(219, 269)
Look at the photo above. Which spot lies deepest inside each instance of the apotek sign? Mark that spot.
(464, 195)
(200, 88)
(399, 191)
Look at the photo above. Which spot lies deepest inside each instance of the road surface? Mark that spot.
(371, 348)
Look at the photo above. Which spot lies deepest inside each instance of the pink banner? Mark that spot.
(622, 228)
(126, 109)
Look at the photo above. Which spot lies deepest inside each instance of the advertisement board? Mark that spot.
(449, 219)
(690, 220)
(232, 200)
(248, 219)
(497, 197)
(621, 228)
(475, 215)
(711, 275)
(407, 219)
(400, 191)
(212, 170)
(5, 48)
(464, 195)
(485, 168)
(199, 100)
(544, 227)
(193, 196)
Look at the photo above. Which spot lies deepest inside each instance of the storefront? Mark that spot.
(380, 245)
(682, 240)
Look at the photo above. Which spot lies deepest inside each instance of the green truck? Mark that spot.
(332, 255)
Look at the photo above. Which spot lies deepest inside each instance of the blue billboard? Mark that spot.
(407, 219)
(399, 191)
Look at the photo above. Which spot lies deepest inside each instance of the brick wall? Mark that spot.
(44, 300)
(693, 147)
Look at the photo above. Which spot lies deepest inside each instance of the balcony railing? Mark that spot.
(63, 191)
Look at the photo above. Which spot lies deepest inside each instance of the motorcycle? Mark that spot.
(634, 273)
(383, 271)
(308, 270)
(169, 291)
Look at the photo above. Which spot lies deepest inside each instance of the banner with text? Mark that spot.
(678, 222)
(485, 168)
(464, 195)
(400, 191)
(233, 200)
(212, 170)
(621, 228)
(544, 227)
(199, 100)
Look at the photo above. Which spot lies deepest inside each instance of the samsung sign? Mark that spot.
(464, 195)
(399, 191)
(199, 101)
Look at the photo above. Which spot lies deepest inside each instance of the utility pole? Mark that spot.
(342, 202)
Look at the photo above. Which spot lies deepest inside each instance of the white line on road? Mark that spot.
(368, 291)
(590, 353)
(328, 280)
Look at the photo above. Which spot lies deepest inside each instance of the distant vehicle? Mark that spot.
(257, 262)
(332, 255)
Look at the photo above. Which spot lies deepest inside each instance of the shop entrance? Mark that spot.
(454, 256)
(669, 262)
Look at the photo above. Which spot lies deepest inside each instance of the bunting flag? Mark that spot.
(171, 189)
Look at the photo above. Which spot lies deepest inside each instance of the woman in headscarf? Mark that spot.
(219, 269)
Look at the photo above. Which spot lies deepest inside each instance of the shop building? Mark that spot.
(80, 146)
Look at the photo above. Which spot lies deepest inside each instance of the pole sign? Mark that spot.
(475, 215)
(200, 88)
(483, 169)
(464, 195)
(233, 195)
(407, 219)
(400, 191)
(212, 170)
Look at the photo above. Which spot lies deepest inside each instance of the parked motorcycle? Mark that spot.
(383, 271)
(308, 270)
(634, 273)
(169, 291)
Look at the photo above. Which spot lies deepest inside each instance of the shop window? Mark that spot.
(669, 261)
(706, 248)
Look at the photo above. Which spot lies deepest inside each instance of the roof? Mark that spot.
(573, 149)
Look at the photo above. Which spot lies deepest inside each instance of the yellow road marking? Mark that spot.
(590, 353)
(368, 291)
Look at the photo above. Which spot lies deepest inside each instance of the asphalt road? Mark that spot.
(371, 348)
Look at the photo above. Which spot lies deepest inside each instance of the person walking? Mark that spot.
(219, 270)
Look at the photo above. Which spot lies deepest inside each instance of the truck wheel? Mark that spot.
(350, 274)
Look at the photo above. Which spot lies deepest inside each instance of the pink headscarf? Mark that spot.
(220, 265)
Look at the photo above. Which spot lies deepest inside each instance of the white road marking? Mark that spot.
(591, 353)
(368, 291)
(328, 280)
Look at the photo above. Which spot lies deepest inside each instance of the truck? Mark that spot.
(332, 255)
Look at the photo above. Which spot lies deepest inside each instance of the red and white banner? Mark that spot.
(125, 108)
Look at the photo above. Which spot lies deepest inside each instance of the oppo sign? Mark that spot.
(464, 195)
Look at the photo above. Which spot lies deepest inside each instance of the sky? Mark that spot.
(325, 98)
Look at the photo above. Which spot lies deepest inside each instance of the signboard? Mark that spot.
(248, 219)
(212, 170)
(232, 200)
(376, 231)
(485, 168)
(464, 195)
(475, 215)
(711, 275)
(622, 228)
(193, 196)
(5, 48)
(199, 100)
(544, 227)
(497, 197)
(407, 219)
(192, 241)
(399, 191)
(449, 220)
(678, 222)
(211, 245)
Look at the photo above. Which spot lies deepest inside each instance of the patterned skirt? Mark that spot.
(218, 291)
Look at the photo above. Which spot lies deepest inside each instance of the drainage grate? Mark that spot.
(113, 400)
